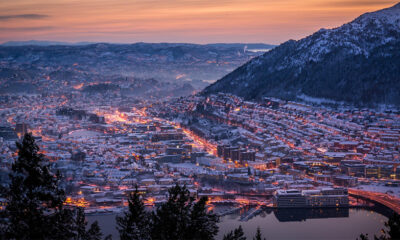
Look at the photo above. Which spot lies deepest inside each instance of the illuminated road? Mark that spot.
(198, 142)
(385, 199)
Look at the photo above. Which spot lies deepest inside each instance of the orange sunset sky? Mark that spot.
(196, 21)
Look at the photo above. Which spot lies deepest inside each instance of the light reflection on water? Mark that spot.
(332, 224)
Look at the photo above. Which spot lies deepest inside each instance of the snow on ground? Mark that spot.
(393, 191)
(310, 99)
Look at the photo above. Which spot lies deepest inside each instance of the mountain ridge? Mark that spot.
(358, 59)
(45, 43)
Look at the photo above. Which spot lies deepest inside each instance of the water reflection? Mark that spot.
(328, 223)
(294, 215)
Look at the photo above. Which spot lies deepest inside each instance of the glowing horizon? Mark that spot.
(195, 21)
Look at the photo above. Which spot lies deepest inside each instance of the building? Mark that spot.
(345, 181)
(291, 198)
(21, 128)
(379, 171)
(165, 136)
(8, 134)
(352, 168)
(247, 156)
(325, 197)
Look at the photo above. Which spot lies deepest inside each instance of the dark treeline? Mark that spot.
(35, 210)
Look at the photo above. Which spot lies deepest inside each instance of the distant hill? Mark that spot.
(56, 43)
(139, 69)
(174, 62)
(358, 62)
(42, 43)
(242, 45)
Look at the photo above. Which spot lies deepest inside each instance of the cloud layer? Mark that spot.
(22, 16)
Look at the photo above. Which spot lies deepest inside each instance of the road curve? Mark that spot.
(382, 198)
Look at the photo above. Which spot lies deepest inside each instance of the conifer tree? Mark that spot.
(363, 237)
(392, 231)
(135, 224)
(393, 227)
(179, 218)
(236, 234)
(94, 232)
(258, 235)
(183, 218)
(35, 202)
(35, 207)
(171, 219)
(202, 225)
(80, 222)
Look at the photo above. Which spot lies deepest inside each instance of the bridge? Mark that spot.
(382, 198)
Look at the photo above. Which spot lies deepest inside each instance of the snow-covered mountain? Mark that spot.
(357, 62)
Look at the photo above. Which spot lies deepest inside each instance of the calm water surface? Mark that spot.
(332, 224)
